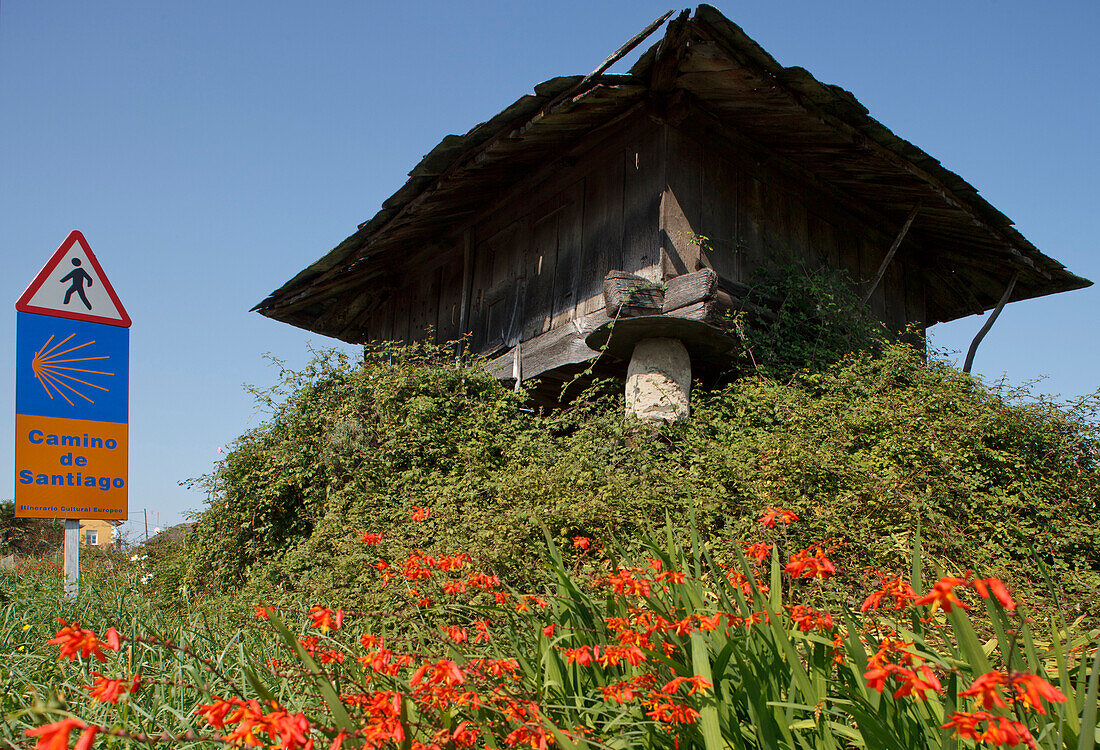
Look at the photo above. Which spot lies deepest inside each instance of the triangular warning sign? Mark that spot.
(72, 285)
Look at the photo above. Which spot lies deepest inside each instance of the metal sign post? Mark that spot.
(72, 397)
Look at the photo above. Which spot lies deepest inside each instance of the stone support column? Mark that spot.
(658, 381)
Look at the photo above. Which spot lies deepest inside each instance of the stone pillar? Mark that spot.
(658, 381)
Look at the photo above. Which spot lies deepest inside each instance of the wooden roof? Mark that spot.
(820, 128)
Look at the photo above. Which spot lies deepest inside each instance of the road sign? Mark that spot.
(72, 285)
(71, 391)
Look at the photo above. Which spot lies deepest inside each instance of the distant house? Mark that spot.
(524, 233)
(98, 533)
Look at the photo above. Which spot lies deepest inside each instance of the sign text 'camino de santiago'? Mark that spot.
(71, 391)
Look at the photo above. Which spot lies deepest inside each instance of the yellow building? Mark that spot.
(97, 533)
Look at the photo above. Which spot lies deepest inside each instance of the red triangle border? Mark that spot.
(22, 304)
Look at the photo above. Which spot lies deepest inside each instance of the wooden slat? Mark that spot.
(752, 227)
(681, 205)
(570, 249)
(603, 230)
(823, 243)
(449, 320)
(541, 267)
(720, 201)
(642, 173)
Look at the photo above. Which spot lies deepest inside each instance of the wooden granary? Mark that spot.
(512, 233)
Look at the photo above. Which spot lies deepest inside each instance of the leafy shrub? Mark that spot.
(861, 450)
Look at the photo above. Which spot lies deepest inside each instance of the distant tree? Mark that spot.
(27, 536)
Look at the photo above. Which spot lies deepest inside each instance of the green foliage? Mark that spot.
(27, 536)
(675, 647)
(33, 680)
(860, 450)
(818, 321)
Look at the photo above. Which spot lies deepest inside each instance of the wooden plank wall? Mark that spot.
(753, 216)
(640, 198)
(540, 255)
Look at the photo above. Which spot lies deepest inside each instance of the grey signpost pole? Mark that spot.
(72, 557)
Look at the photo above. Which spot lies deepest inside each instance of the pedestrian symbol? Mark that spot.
(72, 285)
(79, 277)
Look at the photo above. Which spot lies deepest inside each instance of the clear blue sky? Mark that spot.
(210, 150)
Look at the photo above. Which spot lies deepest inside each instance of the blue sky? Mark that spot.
(210, 150)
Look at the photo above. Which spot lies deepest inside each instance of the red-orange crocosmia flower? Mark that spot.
(75, 641)
(217, 711)
(986, 690)
(697, 683)
(325, 619)
(370, 538)
(965, 723)
(891, 587)
(421, 514)
(771, 515)
(1030, 688)
(810, 563)
(916, 682)
(582, 542)
(106, 690)
(999, 730)
(876, 678)
(443, 671)
(943, 596)
(455, 633)
(758, 552)
(994, 586)
(807, 619)
(548, 631)
(56, 736)
(262, 613)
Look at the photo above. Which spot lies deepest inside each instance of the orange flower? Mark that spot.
(758, 552)
(999, 729)
(916, 682)
(106, 690)
(325, 619)
(548, 631)
(810, 564)
(965, 723)
(370, 538)
(75, 641)
(943, 595)
(697, 683)
(891, 587)
(262, 613)
(56, 736)
(771, 515)
(1030, 688)
(455, 633)
(994, 586)
(420, 514)
(808, 619)
(876, 678)
(443, 671)
(582, 542)
(986, 690)
(217, 711)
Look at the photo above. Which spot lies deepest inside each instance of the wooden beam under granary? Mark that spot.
(519, 234)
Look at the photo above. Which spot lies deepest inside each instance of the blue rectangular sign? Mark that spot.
(71, 369)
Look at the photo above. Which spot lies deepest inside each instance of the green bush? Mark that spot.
(861, 450)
